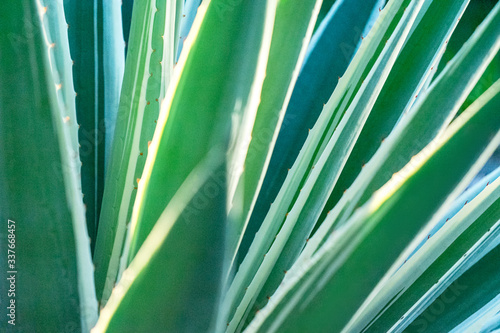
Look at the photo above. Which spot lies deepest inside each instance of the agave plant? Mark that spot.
(256, 166)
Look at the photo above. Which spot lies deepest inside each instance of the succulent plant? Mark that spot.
(250, 166)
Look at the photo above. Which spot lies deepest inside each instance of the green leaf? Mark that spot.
(313, 194)
(216, 86)
(417, 128)
(472, 290)
(113, 64)
(59, 57)
(189, 11)
(43, 210)
(330, 51)
(149, 68)
(85, 44)
(291, 34)
(410, 71)
(355, 258)
(431, 262)
(173, 283)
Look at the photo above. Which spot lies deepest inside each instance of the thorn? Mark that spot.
(268, 298)
(52, 45)
(135, 187)
(154, 50)
(285, 272)
(58, 86)
(66, 119)
(307, 240)
(466, 202)
(345, 190)
(447, 219)
(149, 143)
(286, 214)
(147, 103)
(383, 139)
(432, 68)
(488, 184)
(379, 9)
(156, 99)
(362, 38)
(429, 236)
(138, 180)
(140, 154)
(416, 96)
(362, 166)
(326, 214)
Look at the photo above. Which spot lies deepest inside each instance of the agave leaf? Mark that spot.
(325, 8)
(170, 290)
(188, 14)
(228, 72)
(127, 6)
(431, 262)
(327, 169)
(483, 321)
(330, 51)
(60, 63)
(329, 118)
(86, 52)
(486, 324)
(291, 34)
(313, 195)
(331, 281)
(113, 68)
(469, 293)
(417, 128)
(44, 209)
(149, 66)
(470, 194)
(472, 18)
(413, 66)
